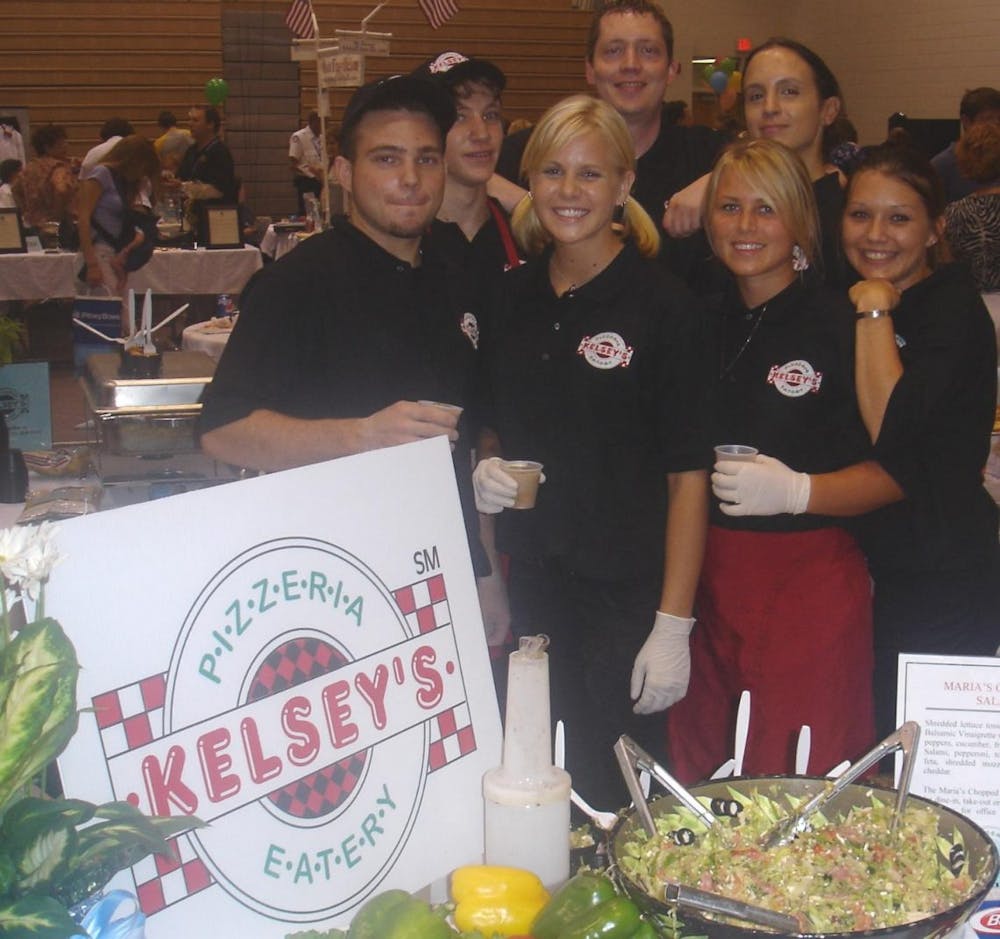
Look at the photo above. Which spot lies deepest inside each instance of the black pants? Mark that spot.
(939, 613)
(304, 184)
(596, 629)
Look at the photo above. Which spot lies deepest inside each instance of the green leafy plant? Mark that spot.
(12, 338)
(54, 852)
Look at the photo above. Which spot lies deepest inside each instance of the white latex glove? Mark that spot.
(663, 666)
(762, 487)
(495, 488)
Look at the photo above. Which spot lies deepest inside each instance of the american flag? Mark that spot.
(299, 19)
(438, 12)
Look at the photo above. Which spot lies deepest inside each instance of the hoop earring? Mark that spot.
(618, 219)
(800, 262)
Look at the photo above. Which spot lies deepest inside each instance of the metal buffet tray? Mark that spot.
(183, 378)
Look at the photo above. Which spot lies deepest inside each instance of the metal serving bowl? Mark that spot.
(981, 857)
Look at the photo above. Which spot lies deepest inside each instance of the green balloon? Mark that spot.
(216, 90)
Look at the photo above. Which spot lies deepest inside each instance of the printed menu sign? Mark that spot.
(299, 661)
(956, 701)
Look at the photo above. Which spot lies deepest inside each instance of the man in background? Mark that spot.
(170, 134)
(978, 106)
(305, 150)
(630, 63)
(207, 172)
(112, 130)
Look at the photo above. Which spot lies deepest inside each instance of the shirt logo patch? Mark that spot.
(470, 327)
(795, 378)
(445, 62)
(605, 350)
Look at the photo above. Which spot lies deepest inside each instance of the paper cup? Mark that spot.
(527, 474)
(735, 451)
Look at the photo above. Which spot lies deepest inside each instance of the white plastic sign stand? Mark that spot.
(956, 701)
(298, 660)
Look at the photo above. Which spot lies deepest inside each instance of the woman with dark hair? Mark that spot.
(592, 359)
(789, 95)
(784, 604)
(927, 385)
(113, 186)
(45, 187)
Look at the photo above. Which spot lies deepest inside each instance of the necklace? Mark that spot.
(725, 370)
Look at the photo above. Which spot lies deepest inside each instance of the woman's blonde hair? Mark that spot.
(561, 124)
(779, 175)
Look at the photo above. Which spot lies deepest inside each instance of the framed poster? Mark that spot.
(220, 226)
(11, 232)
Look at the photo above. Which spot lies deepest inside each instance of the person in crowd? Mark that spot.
(207, 173)
(112, 130)
(973, 222)
(115, 184)
(978, 106)
(167, 123)
(926, 387)
(784, 603)
(46, 186)
(305, 151)
(593, 368)
(9, 171)
(789, 95)
(926, 381)
(630, 62)
(340, 340)
(11, 141)
(476, 230)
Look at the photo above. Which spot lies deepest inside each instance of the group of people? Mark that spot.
(820, 325)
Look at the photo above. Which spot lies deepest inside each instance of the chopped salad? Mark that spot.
(845, 874)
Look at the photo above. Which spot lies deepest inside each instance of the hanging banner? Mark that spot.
(299, 661)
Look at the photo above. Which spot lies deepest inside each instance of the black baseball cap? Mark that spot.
(399, 92)
(450, 69)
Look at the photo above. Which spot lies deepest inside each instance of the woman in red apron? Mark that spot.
(784, 603)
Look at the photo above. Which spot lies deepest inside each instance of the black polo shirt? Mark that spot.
(935, 435)
(340, 328)
(212, 164)
(785, 385)
(604, 386)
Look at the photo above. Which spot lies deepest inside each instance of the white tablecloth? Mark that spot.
(203, 337)
(276, 244)
(169, 271)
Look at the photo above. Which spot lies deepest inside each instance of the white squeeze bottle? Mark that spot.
(527, 798)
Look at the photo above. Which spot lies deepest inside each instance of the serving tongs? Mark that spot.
(631, 759)
(905, 738)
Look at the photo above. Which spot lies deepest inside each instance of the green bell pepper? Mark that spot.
(588, 907)
(397, 915)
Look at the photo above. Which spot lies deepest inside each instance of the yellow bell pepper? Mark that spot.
(496, 899)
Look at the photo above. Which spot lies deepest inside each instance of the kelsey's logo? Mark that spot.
(295, 720)
(795, 378)
(605, 350)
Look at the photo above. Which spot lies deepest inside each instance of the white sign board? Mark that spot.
(342, 70)
(298, 660)
(363, 41)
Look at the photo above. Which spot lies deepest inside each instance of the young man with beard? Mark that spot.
(339, 340)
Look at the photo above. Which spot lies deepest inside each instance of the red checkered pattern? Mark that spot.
(425, 606)
(161, 882)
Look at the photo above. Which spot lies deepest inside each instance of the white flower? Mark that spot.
(27, 556)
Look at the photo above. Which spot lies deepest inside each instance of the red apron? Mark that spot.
(786, 615)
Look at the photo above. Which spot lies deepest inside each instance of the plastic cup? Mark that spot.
(454, 408)
(735, 451)
(527, 473)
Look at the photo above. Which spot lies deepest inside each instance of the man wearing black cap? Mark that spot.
(339, 340)
(480, 230)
